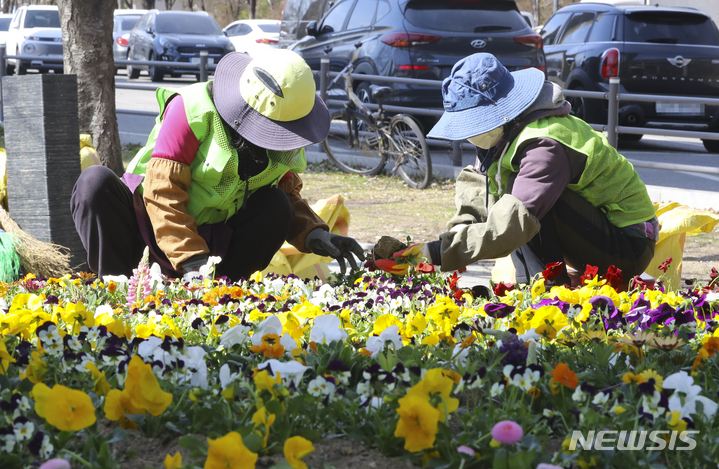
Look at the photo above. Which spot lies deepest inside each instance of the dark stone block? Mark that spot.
(42, 141)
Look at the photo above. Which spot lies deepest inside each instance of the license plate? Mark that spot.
(196, 60)
(681, 109)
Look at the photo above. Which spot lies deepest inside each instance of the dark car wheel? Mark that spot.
(132, 72)
(589, 110)
(712, 146)
(9, 69)
(364, 92)
(155, 74)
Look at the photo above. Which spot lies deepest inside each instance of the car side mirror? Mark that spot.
(312, 28)
(225, 33)
(150, 31)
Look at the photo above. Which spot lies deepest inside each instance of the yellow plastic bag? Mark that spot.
(88, 154)
(288, 260)
(676, 223)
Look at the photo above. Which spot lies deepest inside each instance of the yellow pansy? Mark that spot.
(173, 462)
(229, 452)
(143, 388)
(417, 423)
(436, 383)
(295, 449)
(70, 410)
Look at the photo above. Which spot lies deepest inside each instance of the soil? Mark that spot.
(138, 452)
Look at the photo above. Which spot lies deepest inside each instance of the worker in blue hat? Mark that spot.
(546, 188)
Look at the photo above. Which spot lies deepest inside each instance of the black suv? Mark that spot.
(417, 39)
(175, 36)
(653, 50)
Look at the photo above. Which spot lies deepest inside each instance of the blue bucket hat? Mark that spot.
(481, 94)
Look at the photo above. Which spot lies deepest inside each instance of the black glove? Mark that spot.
(324, 243)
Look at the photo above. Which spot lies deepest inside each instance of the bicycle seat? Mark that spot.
(378, 92)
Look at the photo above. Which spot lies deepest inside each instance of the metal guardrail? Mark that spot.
(612, 95)
(612, 127)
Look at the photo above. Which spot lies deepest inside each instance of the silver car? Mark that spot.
(124, 21)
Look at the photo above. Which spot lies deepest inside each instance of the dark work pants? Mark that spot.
(579, 234)
(105, 218)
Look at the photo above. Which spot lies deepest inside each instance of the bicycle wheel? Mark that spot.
(411, 156)
(354, 145)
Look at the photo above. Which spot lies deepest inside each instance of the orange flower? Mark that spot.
(564, 376)
(711, 345)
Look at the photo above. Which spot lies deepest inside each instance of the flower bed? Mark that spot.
(411, 365)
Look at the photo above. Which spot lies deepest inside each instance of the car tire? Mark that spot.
(9, 69)
(584, 108)
(155, 74)
(712, 146)
(364, 93)
(132, 72)
(630, 137)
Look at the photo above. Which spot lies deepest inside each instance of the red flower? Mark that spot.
(613, 276)
(553, 269)
(370, 265)
(714, 274)
(453, 281)
(426, 268)
(637, 282)
(458, 294)
(501, 288)
(665, 265)
(589, 273)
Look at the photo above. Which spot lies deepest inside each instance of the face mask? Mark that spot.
(487, 140)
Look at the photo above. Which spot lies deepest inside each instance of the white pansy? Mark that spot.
(496, 389)
(119, 279)
(682, 383)
(271, 325)
(103, 309)
(291, 371)
(390, 335)
(288, 342)
(226, 377)
(327, 329)
(235, 335)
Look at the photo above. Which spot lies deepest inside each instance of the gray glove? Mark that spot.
(324, 243)
(193, 264)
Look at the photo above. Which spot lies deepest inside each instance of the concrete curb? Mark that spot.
(703, 200)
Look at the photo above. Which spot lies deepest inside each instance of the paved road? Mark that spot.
(135, 128)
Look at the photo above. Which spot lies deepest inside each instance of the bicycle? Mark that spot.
(377, 137)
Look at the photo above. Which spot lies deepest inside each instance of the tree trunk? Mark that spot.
(148, 4)
(87, 52)
(253, 8)
(169, 4)
(535, 11)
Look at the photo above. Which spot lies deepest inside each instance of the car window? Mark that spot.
(16, 19)
(142, 24)
(270, 28)
(670, 28)
(170, 23)
(335, 19)
(126, 23)
(603, 29)
(362, 14)
(383, 9)
(465, 17)
(241, 30)
(313, 9)
(42, 19)
(551, 29)
(5, 24)
(577, 28)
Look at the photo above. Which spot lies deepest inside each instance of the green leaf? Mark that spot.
(309, 433)
(25, 385)
(137, 418)
(282, 465)
(117, 436)
(175, 428)
(253, 442)
(197, 447)
(4, 382)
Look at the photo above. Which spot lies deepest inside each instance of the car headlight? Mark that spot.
(167, 44)
(229, 47)
(28, 49)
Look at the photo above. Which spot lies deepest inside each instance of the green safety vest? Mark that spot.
(216, 191)
(609, 181)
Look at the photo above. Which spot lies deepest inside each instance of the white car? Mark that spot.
(34, 31)
(252, 36)
(5, 19)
